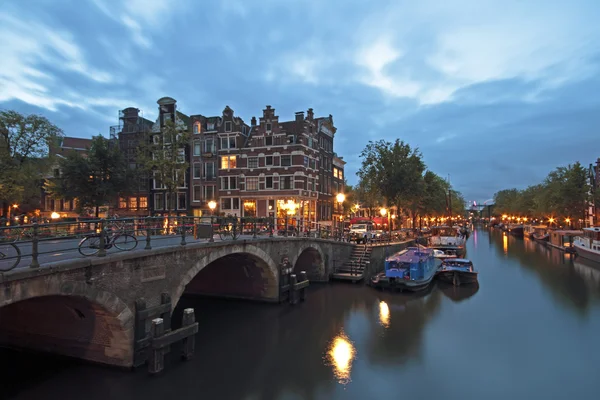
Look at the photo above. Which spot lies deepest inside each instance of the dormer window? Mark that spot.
(228, 126)
(268, 127)
(210, 126)
(197, 127)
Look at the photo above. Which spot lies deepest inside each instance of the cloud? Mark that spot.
(28, 50)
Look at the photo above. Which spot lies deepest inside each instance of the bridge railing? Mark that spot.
(38, 243)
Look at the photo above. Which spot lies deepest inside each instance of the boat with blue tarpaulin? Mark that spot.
(411, 269)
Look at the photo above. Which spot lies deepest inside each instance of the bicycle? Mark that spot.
(9, 251)
(122, 241)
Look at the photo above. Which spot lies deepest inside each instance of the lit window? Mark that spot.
(143, 202)
(197, 127)
(133, 203)
(228, 162)
(122, 202)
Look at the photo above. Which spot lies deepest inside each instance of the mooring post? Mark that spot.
(188, 342)
(293, 292)
(156, 359)
(303, 278)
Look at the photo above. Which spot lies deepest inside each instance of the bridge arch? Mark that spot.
(310, 258)
(242, 271)
(71, 319)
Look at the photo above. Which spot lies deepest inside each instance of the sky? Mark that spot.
(495, 94)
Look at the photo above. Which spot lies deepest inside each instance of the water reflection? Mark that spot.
(458, 293)
(554, 269)
(384, 314)
(340, 356)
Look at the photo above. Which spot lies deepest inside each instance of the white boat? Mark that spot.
(448, 240)
(588, 245)
(439, 254)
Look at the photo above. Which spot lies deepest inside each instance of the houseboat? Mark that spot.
(440, 255)
(588, 244)
(528, 231)
(411, 269)
(457, 271)
(515, 230)
(563, 239)
(540, 233)
(448, 240)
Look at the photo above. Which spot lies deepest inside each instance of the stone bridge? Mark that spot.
(85, 308)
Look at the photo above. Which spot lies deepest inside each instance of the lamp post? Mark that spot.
(212, 205)
(383, 213)
(340, 199)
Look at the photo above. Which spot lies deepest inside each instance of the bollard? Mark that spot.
(271, 225)
(293, 293)
(102, 244)
(156, 358)
(182, 224)
(212, 234)
(286, 227)
(188, 342)
(303, 277)
(254, 236)
(34, 247)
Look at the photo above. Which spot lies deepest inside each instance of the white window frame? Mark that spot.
(199, 176)
(272, 182)
(194, 199)
(154, 181)
(158, 196)
(254, 159)
(252, 179)
(228, 126)
(198, 146)
(228, 179)
(205, 192)
(185, 200)
(204, 168)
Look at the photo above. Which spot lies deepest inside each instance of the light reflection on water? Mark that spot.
(340, 356)
(384, 314)
(505, 242)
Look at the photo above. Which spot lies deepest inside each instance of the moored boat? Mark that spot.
(540, 233)
(411, 269)
(441, 255)
(457, 271)
(516, 230)
(448, 240)
(588, 245)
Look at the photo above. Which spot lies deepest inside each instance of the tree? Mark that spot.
(25, 141)
(163, 158)
(435, 189)
(506, 201)
(395, 170)
(95, 180)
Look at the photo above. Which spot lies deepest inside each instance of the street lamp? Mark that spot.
(212, 205)
(340, 199)
(383, 213)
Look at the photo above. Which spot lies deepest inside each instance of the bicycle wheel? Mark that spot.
(90, 245)
(125, 242)
(224, 234)
(10, 256)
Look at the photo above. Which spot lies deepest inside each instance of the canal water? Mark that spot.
(531, 330)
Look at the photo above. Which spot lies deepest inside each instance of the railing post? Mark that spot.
(34, 247)
(182, 223)
(148, 221)
(254, 236)
(234, 230)
(212, 234)
(102, 251)
(286, 227)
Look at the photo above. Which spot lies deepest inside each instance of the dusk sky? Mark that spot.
(494, 93)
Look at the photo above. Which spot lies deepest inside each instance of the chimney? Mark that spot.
(309, 114)
(253, 121)
(300, 116)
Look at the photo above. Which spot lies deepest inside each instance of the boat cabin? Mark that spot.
(592, 233)
(563, 239)
(461, 263)
(408, 264)
(444, 231)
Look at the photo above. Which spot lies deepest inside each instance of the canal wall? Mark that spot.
(380, 252)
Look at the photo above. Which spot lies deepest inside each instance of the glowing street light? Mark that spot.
(340, 197)
(55, 215)
(212, 205)
(383, 212)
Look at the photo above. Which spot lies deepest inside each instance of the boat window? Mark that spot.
(358, 226)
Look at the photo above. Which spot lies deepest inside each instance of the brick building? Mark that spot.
(268, 168)
(338, 183)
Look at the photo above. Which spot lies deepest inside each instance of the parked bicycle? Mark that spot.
(10, 256)
(90, 245)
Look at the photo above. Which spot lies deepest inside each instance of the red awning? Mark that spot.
(359, 220)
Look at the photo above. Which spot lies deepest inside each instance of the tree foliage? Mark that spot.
(394, 174)
(163, 158)
(24, 155)
(566, 192)
(94, 180)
